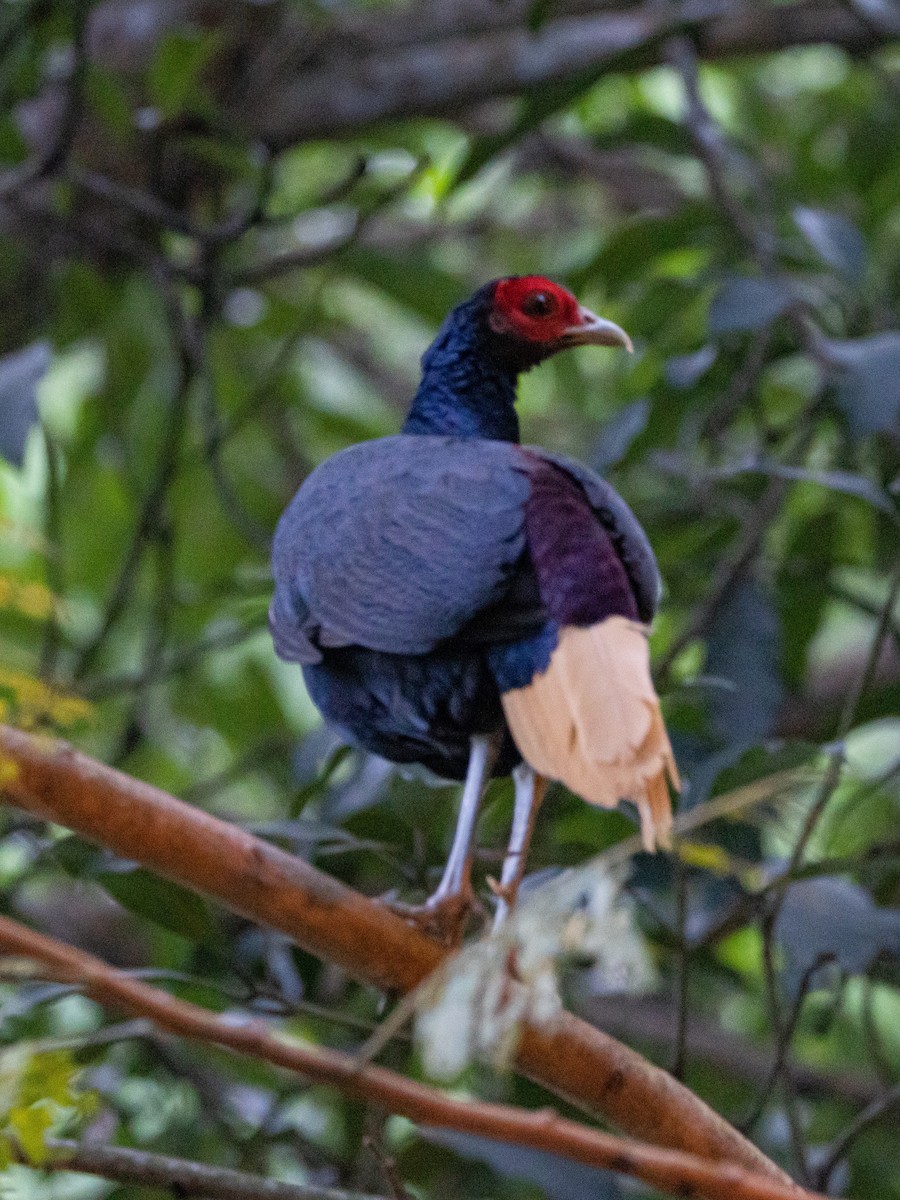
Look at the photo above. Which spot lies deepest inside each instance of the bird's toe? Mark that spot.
(443, 918)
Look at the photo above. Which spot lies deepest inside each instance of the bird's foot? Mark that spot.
(506, 894)
(442, 917)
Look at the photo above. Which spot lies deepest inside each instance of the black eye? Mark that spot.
(539, 304)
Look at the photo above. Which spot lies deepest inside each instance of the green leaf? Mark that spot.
(413, 283)
(618, 434)
(78, 857)
(745, 303)
(802, 597)
(643, 128)
(535, 108)
(174, 75)
(316, 786)
(634, 246)
(538, 14)
(12, 145)
(109, 100)
(744, 651)
(141, 892)
(161, 901)
(49, 1075)
(867, 377)
(835, 239)
(20, 373)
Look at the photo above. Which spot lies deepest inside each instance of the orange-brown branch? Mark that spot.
(669, 1170)
(140, 822)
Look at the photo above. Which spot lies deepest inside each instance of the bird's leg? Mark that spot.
(444, 913)
(455, 880)
(529, 792)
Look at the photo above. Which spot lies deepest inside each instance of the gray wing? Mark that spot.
(396, 544)
(622, 525)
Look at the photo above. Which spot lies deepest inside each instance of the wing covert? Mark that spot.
(396, 544)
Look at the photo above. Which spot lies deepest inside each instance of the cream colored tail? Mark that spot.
(592, 720)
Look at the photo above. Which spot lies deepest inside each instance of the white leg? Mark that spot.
(455, 880)
(529, 792)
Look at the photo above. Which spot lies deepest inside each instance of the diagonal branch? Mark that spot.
(672, 1171)
(140, 822)
(180, 1176)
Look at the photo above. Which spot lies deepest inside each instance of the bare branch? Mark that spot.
(142, 823)
(178, 1175)
(670, 1170)
(410, 64)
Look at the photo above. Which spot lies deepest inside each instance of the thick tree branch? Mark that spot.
(672, 1171)
(249, 876)
(410, 63)
(142, 823)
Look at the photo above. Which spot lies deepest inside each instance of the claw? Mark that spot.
(443, 918)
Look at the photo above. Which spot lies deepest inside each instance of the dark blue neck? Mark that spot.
(466, 390)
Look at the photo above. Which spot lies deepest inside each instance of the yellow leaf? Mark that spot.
(9, 769)
(32, 599)
(30, 1126)
(31, 702)
(706, 857)
(718, 861)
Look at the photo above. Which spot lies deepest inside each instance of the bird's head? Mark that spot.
(469, 371)
(528, 318)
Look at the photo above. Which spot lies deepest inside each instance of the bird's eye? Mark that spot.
(539, 304)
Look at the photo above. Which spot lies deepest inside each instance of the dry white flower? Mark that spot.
(476, 1005)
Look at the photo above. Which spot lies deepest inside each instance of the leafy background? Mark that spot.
(193, 314)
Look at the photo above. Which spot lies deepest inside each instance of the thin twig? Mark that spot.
(873, 1034)
(50, 642)
(144, 204)
(869, 1115)
(149, 523)
(102, 687)
(305, 257)
(254, 532)
(851, 704)
(726, 577)
(51, 157)
(784, 1032)
(682, 968)
(180, 1176)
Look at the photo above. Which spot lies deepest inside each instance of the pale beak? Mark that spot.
(592, 330)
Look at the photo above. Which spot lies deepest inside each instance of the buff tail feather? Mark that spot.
(592, 720)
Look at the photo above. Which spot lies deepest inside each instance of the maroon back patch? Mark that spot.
(581, 578)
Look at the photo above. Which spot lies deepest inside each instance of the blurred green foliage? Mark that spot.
(177, 385)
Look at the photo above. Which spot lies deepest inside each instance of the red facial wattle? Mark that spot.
(539, 311)
(534, 308)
